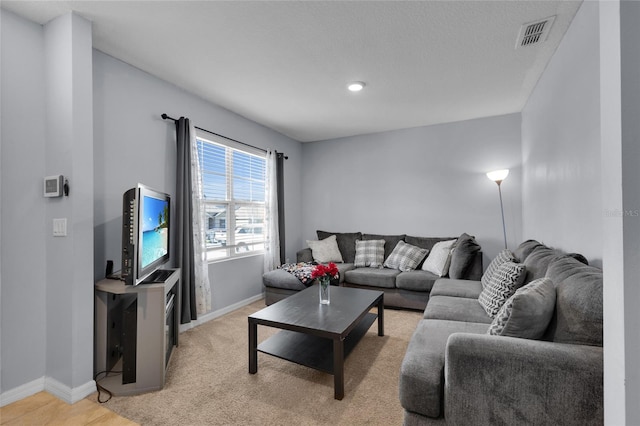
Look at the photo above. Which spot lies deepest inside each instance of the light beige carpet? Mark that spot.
(208, 382)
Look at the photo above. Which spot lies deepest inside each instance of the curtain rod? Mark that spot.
(166, 117)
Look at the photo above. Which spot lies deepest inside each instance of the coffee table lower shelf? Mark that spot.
(313, 351)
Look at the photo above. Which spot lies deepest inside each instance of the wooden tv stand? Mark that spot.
(147, 356)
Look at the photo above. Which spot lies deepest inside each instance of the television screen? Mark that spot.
(146, 234)
(154, 226)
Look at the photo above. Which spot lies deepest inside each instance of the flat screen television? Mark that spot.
(145, 233)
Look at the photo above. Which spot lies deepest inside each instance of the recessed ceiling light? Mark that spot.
(356, 86)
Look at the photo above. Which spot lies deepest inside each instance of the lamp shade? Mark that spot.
(498, 175)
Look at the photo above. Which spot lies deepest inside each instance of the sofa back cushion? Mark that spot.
(578, 315)
(539, 260)
(463, 256)
(346, 243)
(390, 241)
(524, 249)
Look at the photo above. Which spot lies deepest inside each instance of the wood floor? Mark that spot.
(45, 409)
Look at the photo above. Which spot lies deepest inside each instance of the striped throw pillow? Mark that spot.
(503, 283)
(502, 257)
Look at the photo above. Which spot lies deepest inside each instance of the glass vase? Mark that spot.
(324, 290)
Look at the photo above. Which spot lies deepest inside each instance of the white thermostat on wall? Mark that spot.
(53, 186)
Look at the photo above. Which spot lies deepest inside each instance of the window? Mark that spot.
(233, 184)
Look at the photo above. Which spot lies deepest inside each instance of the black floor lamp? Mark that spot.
(498, 176)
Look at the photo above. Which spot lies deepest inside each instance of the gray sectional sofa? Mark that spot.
(455, 373)
(402, 289)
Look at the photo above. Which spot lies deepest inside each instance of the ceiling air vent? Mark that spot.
(534, 32)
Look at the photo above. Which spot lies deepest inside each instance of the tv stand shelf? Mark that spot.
(135, 331)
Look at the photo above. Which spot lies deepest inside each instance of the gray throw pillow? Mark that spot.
(326, 250)
(503, 283)
(502, 257)
(369, 253)
(527, 313)
(405, 257)
(463, 256)
(346, 243)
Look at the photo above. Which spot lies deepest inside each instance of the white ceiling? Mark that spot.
(286, 64)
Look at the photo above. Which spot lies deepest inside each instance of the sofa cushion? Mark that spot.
(390, 241)
(343, 268)
(279, 278)
(463, 256)
(369, 253)
(438, 260)
(416, 280)
(405, 257)
(578, 318)
(346, 243)
(384, 278)
(527, 313)
(503, 283)
(538, 261)
(421, 386)
(326, 250)
(458, 288)
(502, 257)
(524, 249)
(456, 309)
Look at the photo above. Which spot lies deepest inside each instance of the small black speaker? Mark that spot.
(109, 270)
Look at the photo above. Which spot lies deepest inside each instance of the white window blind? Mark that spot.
(233, 182)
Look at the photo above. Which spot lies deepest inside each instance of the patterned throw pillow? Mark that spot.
(527, 313)
(502, 257)
(369, 253)
(405, 257)
(439, 258)
(326, 250)
(504, 282)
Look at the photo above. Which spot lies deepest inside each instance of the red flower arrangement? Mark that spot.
(325, 272)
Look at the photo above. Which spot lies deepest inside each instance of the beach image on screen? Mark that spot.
(154, 222)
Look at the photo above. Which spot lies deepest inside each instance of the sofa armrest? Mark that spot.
(304, 255)
(511, 381)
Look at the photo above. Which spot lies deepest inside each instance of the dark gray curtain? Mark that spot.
(280, 179)
(184, 228)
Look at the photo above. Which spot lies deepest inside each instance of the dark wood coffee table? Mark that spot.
(315, 335)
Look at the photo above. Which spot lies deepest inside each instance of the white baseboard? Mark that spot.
(220, 312)
(21, 392)
(50, 385)
(67, 394)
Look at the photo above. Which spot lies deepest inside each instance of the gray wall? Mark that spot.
(426, 181)
(23, 240)
(47, 311)
(562, 191)
(581, 155)
(133, 144)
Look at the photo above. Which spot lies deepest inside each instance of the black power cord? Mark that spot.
(102, 389)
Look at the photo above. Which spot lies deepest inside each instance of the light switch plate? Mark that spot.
(60, 227)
